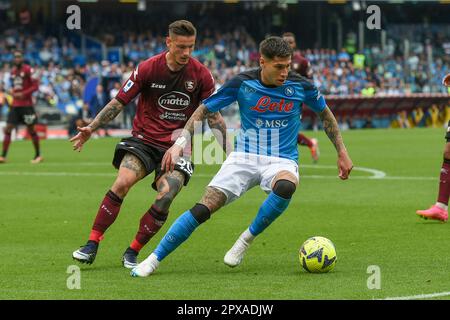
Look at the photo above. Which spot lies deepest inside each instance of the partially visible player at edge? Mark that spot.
(171, 86)
(302, 66)
(439, 211)
(270, 94)
(24, 83)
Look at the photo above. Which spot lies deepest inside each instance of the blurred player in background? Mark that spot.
(24, 83)
(273, 167)
(171, 86)
(439, 211)
(302, 66)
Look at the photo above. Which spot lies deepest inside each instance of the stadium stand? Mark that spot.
(367, 88)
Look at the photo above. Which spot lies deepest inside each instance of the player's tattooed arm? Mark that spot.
(219, 128)
(173, 153)
(198, 116)
(108, 113)
(331, 128)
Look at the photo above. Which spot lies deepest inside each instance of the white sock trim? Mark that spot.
(247, 236)
(442, 205)
(152, 259)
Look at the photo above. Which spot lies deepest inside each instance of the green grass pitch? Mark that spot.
(47, 211)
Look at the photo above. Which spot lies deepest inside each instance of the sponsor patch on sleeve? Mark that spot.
(128, 85)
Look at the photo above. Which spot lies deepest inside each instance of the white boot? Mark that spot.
(146, 267)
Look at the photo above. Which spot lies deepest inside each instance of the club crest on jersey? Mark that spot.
(266, 104)
(259, 123)
(289, 91)
(189, 85)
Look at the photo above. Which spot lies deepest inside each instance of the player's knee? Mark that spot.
(200, 212)
(121, 186)
(447, 154)
(7, 130)
(284, 188)
(447, 157)
(167, 193)
(164, 200)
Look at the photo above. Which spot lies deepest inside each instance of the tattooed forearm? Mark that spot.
(198, 115)
(331, 128)
(219, 128)
(214, 199)
(108, 113)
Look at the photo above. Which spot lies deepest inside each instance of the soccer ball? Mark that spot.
(318, 255)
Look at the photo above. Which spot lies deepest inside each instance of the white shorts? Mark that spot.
(242, 171)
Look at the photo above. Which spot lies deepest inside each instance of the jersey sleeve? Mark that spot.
(225, 96)
(132, 87)
(313, 98)
(34, 82)
(208, 84)
(307, 69)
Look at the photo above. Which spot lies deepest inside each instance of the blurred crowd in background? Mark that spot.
(65, 68)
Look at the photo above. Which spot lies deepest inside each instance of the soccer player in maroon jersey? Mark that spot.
(171, 86)
(302, 66)
(22, 110)
(439, 211)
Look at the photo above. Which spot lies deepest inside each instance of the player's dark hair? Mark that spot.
(288, 34)
(182, 28)
(275, 47)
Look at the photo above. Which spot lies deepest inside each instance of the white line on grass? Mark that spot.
(420, 296)
(376, 174)
(97, 174)
(64, 164)
(57, 174)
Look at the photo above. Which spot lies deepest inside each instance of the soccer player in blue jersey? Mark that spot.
(270, 100)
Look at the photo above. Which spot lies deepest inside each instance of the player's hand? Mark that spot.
(83, 135)
(17, 95)
(345, 165)
(446, 80)
(171, 158)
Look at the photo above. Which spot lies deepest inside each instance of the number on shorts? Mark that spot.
(186, 166)
(29, 118)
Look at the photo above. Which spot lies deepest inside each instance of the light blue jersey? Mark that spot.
(270, 116)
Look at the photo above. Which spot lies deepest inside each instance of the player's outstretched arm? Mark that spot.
(173, 153)
(108, 113)
(331, 128)
(219, 128)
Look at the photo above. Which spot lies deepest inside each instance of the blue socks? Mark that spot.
(183, 227)
(271, 209)
(180, 230)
